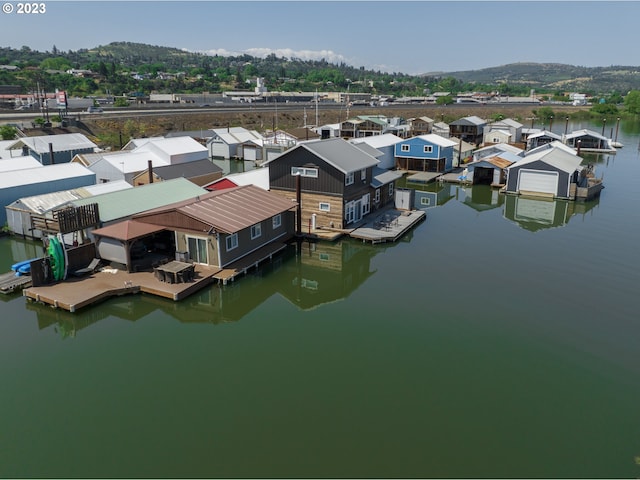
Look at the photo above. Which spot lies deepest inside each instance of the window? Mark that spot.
(256, 231)
(376, 199)
(276, 221)
(232, 242)
(366, 204)
(305, 172)
(197, 249)
(350, 213)
(428, 149)
(363, 174)
(348, 179)
(405, 147)
(324, 207)
(425, 201)
(391, 189)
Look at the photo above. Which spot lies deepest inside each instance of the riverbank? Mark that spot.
(132, 125)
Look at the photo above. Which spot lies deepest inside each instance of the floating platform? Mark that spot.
(79, 292)
(75, 293)
(10, 282)
(423, 177)
(388, 226)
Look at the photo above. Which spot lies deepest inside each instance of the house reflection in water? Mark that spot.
(535, 214)
(327, 272)
(308, 275)
(482, 197)
(433, 195)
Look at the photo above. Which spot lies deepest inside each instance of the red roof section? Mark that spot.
(221, 184)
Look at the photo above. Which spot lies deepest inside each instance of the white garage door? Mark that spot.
(538, 181)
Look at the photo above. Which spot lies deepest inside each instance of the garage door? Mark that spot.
(538, 181)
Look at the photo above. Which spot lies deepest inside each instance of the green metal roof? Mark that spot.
(124, 203)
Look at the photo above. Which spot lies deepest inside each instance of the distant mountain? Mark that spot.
(555, 76)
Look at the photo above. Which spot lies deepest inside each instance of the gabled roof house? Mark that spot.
(425, 153)
(225, 142)
(335, 179)
(549, 172)
(221, 227)
(50, 149)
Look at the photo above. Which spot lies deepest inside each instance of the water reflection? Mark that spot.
(308, 276)
(482, 197)
(534, 214)
(433, 195)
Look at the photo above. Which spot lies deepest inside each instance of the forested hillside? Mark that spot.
(122, 68)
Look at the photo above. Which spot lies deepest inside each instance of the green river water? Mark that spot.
(498, 338)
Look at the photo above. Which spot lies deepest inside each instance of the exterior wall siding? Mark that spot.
(182, 245)
(563, 180)
(310, 204)
(247, 245)
(330, 180)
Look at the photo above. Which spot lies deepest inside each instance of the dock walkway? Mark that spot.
(423, 177)
(78, 292)
(9, 282)
(388, 226)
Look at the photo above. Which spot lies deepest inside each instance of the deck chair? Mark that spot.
(92, 267)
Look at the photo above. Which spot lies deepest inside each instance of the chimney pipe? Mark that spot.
(150, 164)
(51, 153)
(299, 209)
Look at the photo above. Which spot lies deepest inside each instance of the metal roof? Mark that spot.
(547, 146)
(127, 230)
(19, 163)
(192, 133)
(437, 140)
(556, 157)
(471, 120)
(237, 135)
(186, 170)
(173, 146)
(366, 148)
(60, 143)
(378, 141)
(230, 210)
(585, 133)
(383, 177)
(48, 201)
(43, 174)
(43, 203)
(545, 133)
(107, 187)
(341, 154)
(125, 203)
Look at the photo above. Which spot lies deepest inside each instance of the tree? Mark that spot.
(8, 132)
(544, 113)
(632, 101)
(444, 100)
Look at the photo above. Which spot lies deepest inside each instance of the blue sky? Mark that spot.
(393, 36)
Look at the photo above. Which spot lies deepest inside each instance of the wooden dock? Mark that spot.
(395, 225)
(78, 292)
(9, 282)
(75, 293)
(423, 177)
